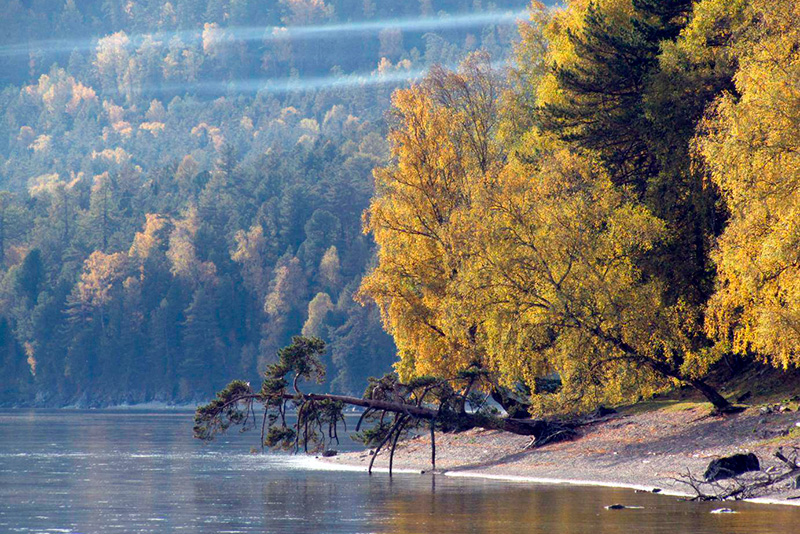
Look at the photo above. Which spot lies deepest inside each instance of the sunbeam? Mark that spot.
(276, 33)
(292, 85)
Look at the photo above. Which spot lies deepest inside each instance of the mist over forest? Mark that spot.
(182, 185)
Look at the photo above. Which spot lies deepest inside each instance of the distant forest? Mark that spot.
(166, 226)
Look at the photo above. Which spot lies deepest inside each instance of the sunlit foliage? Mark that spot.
(580, 248)
(750, 144)
(445, 152)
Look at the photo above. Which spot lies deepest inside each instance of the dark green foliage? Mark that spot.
(226, 410)
(674, 103)
(640, 120)
(302, 359)
(374, 435)
(605, 89)
(280, 437)
(659, 20)
(358, 347)
(31, 276)
(394, 409)
(13, 223)
(316, 420)
(317, 417)
(16, 373)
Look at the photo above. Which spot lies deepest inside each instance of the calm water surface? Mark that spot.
(136, 472)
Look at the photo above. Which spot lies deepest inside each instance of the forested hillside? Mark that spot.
(188, 185)
(183, 184)
(613, 217)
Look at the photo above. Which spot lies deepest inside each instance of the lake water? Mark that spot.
(136, 472)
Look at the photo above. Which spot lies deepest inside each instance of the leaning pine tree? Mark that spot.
(294, 420)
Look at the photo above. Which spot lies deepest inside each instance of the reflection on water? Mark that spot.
(137, 472)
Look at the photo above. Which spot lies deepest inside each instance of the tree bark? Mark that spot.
(464, 421)
(720, 403)
(512, 406)
(433, 447)
(537, 428)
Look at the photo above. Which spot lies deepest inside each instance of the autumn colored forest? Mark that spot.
(592, 206)
(619, 212)
(166, 224)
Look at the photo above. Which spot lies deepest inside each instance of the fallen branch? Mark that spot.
(742, 487)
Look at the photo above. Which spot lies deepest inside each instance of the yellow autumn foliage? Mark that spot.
(750, 145)
(444, 151)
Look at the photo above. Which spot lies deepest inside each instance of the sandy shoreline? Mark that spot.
(636, 451)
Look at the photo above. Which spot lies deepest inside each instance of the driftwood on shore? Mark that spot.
(748, 486)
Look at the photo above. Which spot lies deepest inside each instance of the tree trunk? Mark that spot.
(512, 406)
(538, 428)
(720, 403)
